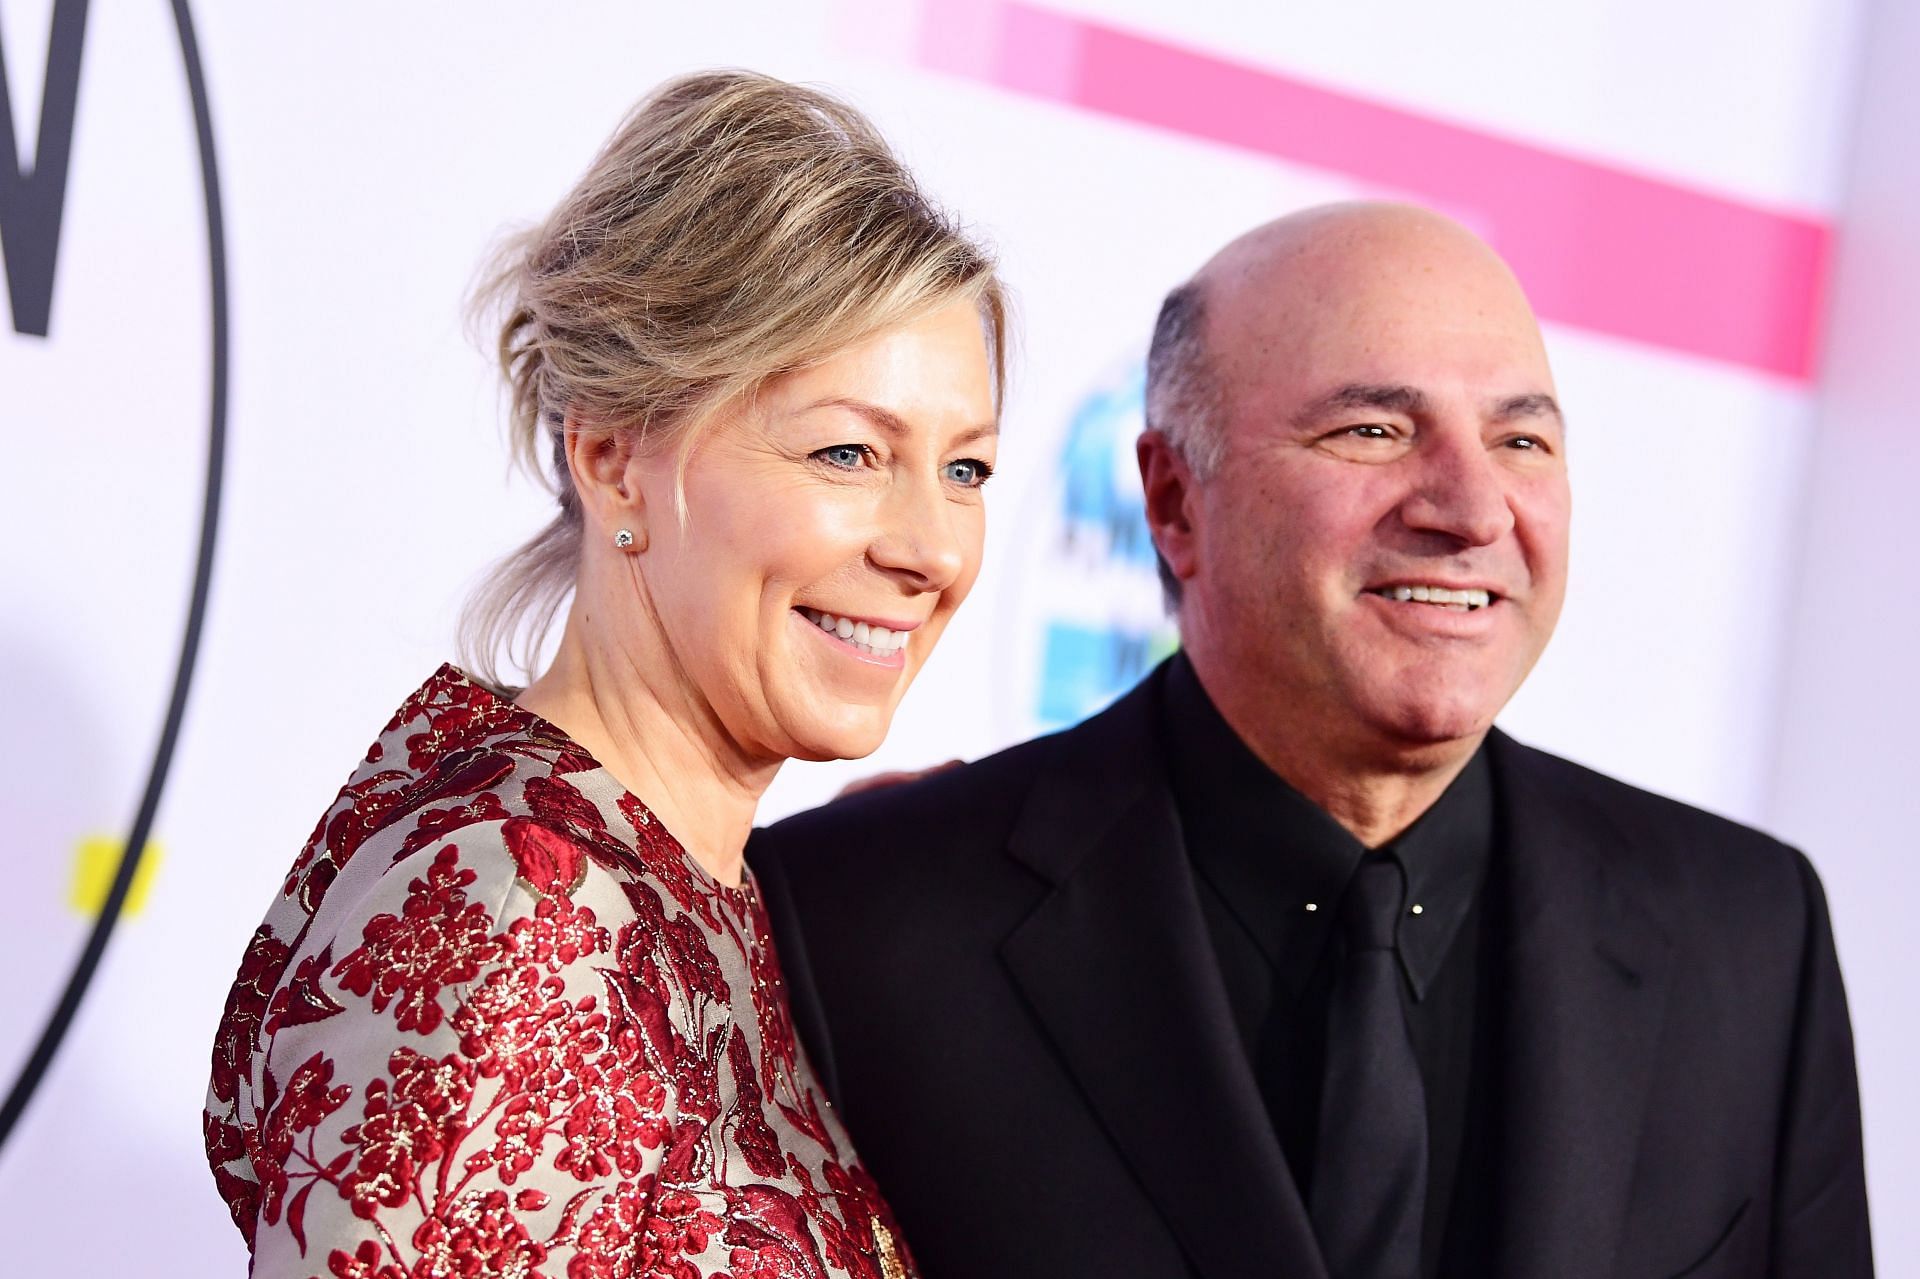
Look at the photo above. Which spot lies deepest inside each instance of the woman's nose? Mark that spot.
(920, 537)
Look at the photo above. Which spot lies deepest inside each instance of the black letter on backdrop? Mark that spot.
(31, 203)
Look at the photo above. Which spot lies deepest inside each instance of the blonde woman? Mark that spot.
(516, 1010)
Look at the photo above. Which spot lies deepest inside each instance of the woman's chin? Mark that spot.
(851, 737)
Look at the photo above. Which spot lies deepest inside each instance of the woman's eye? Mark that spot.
(968, 472)
(848, 457)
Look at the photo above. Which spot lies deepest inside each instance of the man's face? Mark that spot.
(1391, 434)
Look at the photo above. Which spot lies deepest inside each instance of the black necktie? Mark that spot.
(1370, 1160)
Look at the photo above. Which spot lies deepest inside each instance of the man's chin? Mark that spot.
(1430, 725)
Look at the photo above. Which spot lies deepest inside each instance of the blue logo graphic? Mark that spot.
(1102, 622)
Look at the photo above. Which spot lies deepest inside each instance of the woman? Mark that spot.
(516, 1009)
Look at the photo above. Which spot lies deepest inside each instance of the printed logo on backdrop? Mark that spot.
(33, 199)
(1087, 599)
(116, 379)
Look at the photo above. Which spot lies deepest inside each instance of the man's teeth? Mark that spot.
(1463, 601)
(875, 640)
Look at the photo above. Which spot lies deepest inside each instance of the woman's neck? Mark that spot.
(637, 714)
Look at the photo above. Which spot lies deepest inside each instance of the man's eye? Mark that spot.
(1370, 431)
(968, 472)
(1523, 442)
(848, 457)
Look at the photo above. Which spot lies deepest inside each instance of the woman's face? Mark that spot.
(833, 527)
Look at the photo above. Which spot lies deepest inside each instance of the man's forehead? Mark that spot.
(1469, 337)
(1338, 235)
(1332, 360)
(1405, 399)
(1378, 262)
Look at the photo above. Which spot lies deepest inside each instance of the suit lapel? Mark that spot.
(1585, 975)
(1117, 964)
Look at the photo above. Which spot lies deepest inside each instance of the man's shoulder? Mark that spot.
(1676, 846)
(964, 804)
(1649, 811)
(962, 809)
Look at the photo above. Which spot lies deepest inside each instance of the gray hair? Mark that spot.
(1183, 397)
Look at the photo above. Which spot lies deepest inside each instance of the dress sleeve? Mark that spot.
(464, 1076)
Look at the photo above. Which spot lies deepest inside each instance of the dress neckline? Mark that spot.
(745, 896)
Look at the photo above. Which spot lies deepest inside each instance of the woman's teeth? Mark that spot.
(876, 641)
(1460, 601)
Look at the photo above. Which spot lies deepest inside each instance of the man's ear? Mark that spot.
(1169, 486)
(603, 465)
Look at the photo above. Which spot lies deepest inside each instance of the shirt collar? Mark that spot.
(1281, 864)
(1445, 855)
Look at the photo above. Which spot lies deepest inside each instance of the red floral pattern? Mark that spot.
(498, 1022)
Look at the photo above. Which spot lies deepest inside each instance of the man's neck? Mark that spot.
(1377, 806)
(1374, 789)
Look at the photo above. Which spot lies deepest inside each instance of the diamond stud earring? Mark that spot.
(623, 539)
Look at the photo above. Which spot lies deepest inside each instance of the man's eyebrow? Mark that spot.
(1534, 404)
(892, 423)
(1407, 401)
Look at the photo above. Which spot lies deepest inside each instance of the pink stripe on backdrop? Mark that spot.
(1597, 247)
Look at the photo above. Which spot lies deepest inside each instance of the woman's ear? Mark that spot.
(604, 467)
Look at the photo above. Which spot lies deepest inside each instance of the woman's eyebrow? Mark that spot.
(984, 431)
(883, 418)
(892, 423)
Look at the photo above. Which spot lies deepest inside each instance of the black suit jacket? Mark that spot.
(1003, 977)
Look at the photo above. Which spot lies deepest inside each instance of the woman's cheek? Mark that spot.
(975, 555)
(830, 529)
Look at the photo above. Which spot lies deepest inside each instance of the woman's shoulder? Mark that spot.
(462, 766)
(482, 903)
(449, 756)
(471, 825)
(428, 1038)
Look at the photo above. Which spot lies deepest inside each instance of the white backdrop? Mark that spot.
(370, 154)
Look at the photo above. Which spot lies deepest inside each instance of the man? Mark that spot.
(1289, 964)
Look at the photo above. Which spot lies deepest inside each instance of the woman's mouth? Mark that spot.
(873, 640)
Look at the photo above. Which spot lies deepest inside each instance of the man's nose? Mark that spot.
(919, 537)
(1459, 493)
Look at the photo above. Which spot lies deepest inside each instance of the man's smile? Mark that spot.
(1466, 599)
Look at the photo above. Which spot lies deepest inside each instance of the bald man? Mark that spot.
(1290, 964)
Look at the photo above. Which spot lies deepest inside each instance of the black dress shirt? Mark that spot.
(1270, 868)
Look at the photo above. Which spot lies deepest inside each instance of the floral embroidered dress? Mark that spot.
(498, 1022)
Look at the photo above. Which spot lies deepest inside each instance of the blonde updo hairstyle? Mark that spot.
(735, 228)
